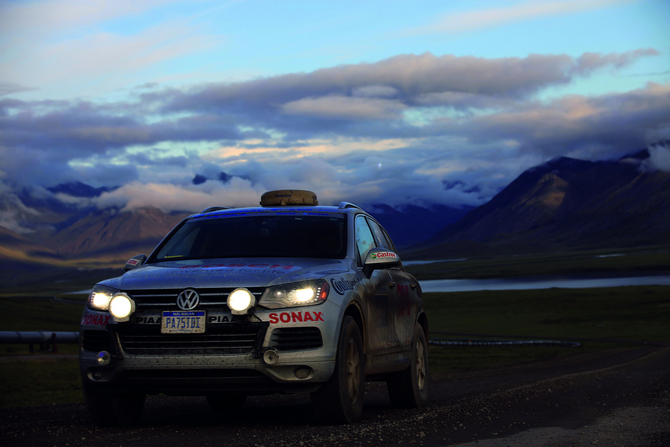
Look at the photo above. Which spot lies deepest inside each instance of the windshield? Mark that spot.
(257, 236)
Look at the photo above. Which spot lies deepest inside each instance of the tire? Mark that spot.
(340, 400)
(222, 402)
(409, 388)
(108, 409)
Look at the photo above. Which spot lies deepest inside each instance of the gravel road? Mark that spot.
(611, 398)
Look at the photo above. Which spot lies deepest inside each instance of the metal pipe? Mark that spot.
(475, 342)
(15, 337)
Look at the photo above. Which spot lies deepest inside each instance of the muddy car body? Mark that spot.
(285, 297)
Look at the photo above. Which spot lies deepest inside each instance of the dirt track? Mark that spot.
(612, 398)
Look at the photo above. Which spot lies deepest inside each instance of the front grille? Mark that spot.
(296, 338)
(232, 338)
(167, 298)
(95, 341)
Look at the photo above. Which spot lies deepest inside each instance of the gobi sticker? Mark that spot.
(383, 254)
(95, 320)
(218, 319)
(342, 286)
(295, 317)
(147, 320)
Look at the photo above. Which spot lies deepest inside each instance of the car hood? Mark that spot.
(212, 273)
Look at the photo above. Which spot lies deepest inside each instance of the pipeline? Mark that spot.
(15, 337)
(517, 343)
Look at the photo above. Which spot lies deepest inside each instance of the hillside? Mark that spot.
(412, 224)
(565, 203)
(114, 234)
(14, 247)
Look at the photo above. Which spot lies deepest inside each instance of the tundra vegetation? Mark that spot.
(603, 318)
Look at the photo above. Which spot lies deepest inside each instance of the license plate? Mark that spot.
(183, 322)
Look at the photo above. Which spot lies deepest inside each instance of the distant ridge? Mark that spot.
(15, 247)
(79, 189)
(563, 203)
(113, 233)
(566, 203)
(412, 224)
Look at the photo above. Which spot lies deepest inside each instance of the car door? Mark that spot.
(380, 331)
(402, 295)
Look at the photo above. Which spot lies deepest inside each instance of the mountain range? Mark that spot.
(564, 203)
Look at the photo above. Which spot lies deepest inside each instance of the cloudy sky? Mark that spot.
(368, 101)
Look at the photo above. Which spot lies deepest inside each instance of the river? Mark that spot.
(530, 283)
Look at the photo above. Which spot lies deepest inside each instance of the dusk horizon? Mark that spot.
(181, 106)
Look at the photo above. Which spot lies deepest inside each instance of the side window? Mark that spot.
(364, 239)
(380, 235)
(390, 241)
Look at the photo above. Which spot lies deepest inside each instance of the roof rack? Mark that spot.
(214, 208)
(285, 197)
(345, 205)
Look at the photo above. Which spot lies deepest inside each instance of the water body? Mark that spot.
(406, 263)
(533, 283)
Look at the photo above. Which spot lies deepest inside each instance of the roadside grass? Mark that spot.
(612, 315)
(24, 383)
(611, 261)
(458, 358)
(39, 313)
(51, 280)
(617, 313)
(603, 318)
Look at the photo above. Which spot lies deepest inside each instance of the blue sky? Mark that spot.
(370, 101)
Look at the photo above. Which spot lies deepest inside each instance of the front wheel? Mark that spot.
(113, 409)
(409, 388)
(340, 400)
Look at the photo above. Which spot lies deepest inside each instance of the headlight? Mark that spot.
(100, 297)
(306, 293)
(240, 301)
(121, 307)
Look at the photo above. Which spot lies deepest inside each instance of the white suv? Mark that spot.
(286, 297)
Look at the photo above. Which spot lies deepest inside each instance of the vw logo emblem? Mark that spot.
(188, 299)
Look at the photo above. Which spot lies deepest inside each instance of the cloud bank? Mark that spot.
(408, 129)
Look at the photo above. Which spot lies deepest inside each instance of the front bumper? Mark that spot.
(210, 362)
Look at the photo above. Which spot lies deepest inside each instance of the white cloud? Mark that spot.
(659, 157)
(168, 197)
(13, 213)
(488, 18)
(346, 107)
(54, 15)
(375, 91)
(7, 88)
(389, 132)
(101, 55)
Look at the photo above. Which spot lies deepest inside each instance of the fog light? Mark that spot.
(240, 301)
(104, 358)
(303, 372)
(270, 357)
(121, 307)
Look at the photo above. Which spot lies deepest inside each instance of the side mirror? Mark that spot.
(378, 258)
(135, 262)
